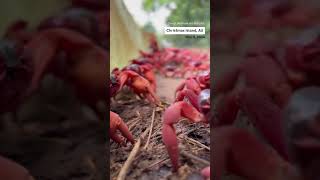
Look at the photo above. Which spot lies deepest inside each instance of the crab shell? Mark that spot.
(134, 67)
(78, 19)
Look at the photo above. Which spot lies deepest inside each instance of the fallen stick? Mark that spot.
(132, 123)
(158, 163)
(150, 132)
(197, 143)
(191, 156)
(124, 170)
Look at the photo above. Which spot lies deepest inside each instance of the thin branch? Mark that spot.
(150, 132)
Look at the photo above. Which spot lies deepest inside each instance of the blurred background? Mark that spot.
(245, 33)
(31, 10)
(52, 133)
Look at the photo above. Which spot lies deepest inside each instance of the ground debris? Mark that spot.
(153, 162)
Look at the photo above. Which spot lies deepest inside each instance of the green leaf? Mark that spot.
(148, 5)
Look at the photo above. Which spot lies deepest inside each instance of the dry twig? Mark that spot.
(124, 170)
(196, 143)
(135, 121)
(150, 132)
(162, 161)
(191, 156)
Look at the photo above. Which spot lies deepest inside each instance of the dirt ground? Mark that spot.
(58, 139)
(152, 161)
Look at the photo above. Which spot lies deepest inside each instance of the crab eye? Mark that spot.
(113, 79)
(204, 98)
(133, 67)
(204, 74)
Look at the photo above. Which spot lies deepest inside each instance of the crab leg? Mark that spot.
(189, 83)
(116, 123)
(171, 116)
(152, 95)
(261, 111)
(151, 77)
(206, 172)
(227, 110)
(266, 116)
(192, 97)
(228, 81)
(180, 87)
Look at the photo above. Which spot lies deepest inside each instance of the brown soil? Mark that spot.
(153, 162)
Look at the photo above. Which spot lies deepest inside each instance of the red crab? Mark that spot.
(172, 69)
(114, 84)
(194, 83)
(239, 152)
(142, 61)
(196, 67)
(12, 171)
(192, 105)
(146, 71)
(84, 65)
(77, 19)
(116, 123)
(175, 62)
(269, 81)
(139, 85)
(265, 84)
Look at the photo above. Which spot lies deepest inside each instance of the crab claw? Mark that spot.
(13, 171)
(261, 111)
(189, 83)
(116, 123)
(139, 84)
(187, 93)
(171, 116)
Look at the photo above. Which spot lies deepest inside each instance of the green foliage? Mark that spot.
(185, 12)
(148, 27)
(151, 5)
